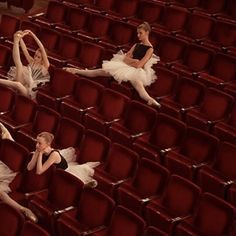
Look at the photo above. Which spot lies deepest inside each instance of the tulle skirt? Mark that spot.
(123, 72)
(6, 177)
(84, 171)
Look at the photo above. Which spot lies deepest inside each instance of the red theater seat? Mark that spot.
(31, 229)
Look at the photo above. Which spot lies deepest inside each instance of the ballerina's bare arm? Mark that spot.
(33, 161)
(144, 60)
(52, 159)
(46, 63)
(25, 51)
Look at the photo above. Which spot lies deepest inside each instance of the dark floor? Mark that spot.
(38, 5)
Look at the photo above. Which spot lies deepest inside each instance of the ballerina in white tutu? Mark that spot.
(6, 177)
(135, 66)
(25, 79)
(45, 156)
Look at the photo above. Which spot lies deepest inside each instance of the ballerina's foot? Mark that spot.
(29, 214)
(92, 184)
(153, 102)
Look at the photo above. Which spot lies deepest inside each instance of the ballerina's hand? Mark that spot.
(26, 32)
(18, 34)
(70, 69)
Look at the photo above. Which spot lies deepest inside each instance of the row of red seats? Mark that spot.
(191, 26)
(134, 8)
(176, 200)
(145, 137)
(25, 4)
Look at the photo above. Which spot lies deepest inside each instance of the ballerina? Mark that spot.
(26, 79)
(134, 66)
(6, 177)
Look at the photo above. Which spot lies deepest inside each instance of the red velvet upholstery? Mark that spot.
(138, 119)
(11, 220)
(215, 107)
(213, 216)
(198, 149)
(69, 133)
(25, 4)
(101, 118)
(93, 213)
(21, 114)
(155, 145)
(188, 94)
(87, 94)
(124, 222)
(61, 86)
(226, 130)
(153, 231)
(113, 173)
(219, 176)
(177, 202)
(5, 55)
(135, 193)
(31, 229)
(64, 191)
(93, 147)
(45, 119)
(7, 97)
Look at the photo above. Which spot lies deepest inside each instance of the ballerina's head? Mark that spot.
(143, 31)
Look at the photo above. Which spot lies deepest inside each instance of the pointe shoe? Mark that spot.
(29, 214)
(153, 102)
(92, 184)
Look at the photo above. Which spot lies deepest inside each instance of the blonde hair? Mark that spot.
(48, 137)
(145, 26)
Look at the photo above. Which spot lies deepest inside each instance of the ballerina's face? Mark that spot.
(38, 57)
(41, 144)
(142, 34)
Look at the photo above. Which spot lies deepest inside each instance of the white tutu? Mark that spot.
(33, 75)
(6, 177)
(123, 72)
(84, 172)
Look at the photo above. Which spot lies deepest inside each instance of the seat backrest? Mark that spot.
(173, 129)
(90, 54)
(139, 117)
(199, 146)
(224, 33)
(223, 67)
(64, 182)
(69, 133)
(125, 222)
(31, 229)
(87, 93)
(11, 220)
(213, 7)
(49, 38)
(165, 84)
(223, 213)
(95, 208)
(5, 54)
(198, 58)
(105, 5)
(154, 174)
(153, 231)
(232, 119)
(24, 109)
(62, 82)
(174, 17)
(199, 25)
(171, 49)
(216, 98)
(150, 11)
(76, 18)
(126, 8)
(14, 155)
(189, 92)
(8, 25)
(7, 97)
(68, 47)
(94, 147)
(180, 196)
(117, 101)
(56, 11)
(46, 119)
(120, 154)
(225, 161)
